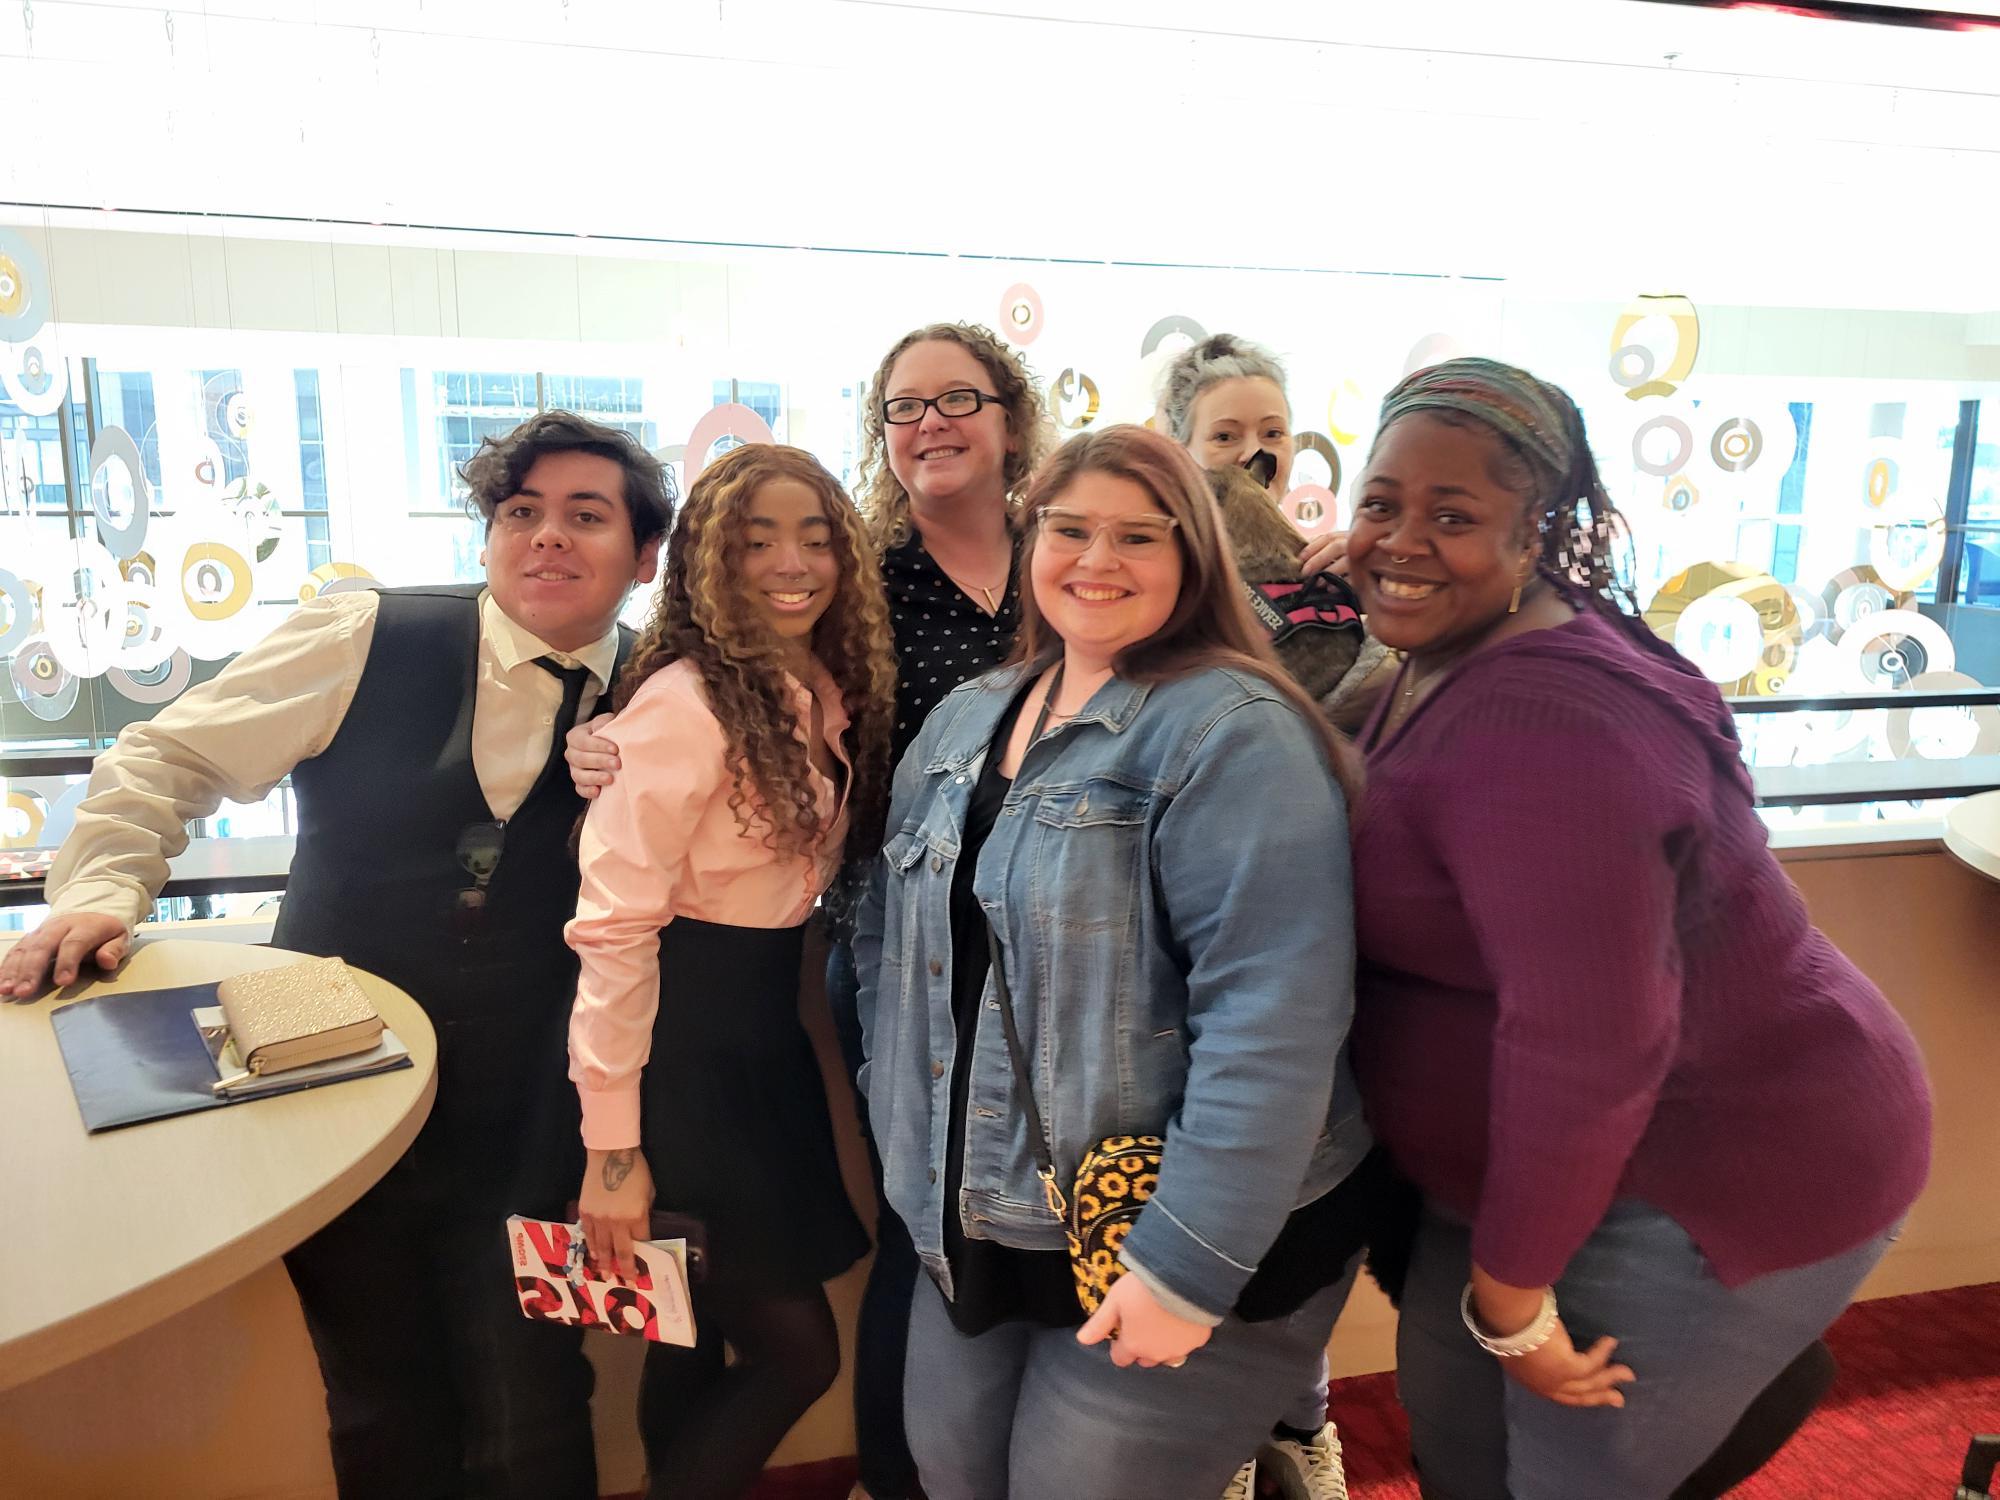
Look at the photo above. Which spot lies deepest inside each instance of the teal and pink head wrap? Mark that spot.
(1531, 414)
(1583, 538)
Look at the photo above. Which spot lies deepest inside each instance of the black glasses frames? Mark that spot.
(901, 411)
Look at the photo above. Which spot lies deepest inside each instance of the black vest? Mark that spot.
(378, 877)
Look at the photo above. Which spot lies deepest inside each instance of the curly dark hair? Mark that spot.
(702, 615)
(494, 474)
(882, 497)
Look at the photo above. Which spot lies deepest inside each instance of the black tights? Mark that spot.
(709, 1426)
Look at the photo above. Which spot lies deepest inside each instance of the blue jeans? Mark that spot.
(1308, 1409)
(1024, 1412)
(887, 1471)
(1701, 1353)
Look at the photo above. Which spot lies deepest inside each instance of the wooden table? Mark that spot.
(108, 1234)
(1972, 833)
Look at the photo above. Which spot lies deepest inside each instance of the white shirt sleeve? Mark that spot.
(232, 738)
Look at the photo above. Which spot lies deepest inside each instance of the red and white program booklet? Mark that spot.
(558, 1283)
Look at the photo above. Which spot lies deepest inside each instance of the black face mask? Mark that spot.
(1264, 465)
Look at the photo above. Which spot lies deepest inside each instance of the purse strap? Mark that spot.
(1024, 1084)
(1038, 1135)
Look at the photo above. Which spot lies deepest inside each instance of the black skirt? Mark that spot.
(734, 1114)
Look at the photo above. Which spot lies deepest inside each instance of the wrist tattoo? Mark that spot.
(618, 1167)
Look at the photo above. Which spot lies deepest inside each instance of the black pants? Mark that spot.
(881, 1340)
(437, 1388)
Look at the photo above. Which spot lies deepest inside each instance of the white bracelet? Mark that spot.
(1527, 1341)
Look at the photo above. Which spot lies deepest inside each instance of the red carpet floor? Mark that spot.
(1918, 1376)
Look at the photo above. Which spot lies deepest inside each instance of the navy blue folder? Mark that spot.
(139, 1056)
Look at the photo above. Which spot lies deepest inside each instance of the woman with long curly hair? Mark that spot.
(951, 429)
(755, 711)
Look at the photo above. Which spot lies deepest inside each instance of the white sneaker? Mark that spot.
(1244, 1485)
(1307, 1471)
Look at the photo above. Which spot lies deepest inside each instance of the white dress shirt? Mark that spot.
(281, 702)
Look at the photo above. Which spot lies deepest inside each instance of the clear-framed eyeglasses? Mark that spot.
(900, 411)
(1070, 533)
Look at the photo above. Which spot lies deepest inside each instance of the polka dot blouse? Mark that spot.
(942, 637)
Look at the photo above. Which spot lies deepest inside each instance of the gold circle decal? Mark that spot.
(1066, 391)
(215, 581)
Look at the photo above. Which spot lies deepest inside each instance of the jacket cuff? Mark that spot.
(1185, 1264)
(610, 1118)
(1165, 1295)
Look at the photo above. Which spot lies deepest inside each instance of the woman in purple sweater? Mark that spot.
(1651, 1108)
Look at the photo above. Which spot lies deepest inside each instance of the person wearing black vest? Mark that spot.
(423, 731)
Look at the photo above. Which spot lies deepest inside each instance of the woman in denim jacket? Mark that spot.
(1147, 811)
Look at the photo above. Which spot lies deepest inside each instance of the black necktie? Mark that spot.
(573, 679)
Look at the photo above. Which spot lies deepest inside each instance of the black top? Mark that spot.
(942, 637)
(991, 1283)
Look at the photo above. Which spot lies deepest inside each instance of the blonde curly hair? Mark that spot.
(882, 497)
(703, 615)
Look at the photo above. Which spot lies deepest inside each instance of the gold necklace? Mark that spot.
(992, 604)
(969, 589)
(1414, 680)
(1410, 687)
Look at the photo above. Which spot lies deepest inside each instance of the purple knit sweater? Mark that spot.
(1584, 975)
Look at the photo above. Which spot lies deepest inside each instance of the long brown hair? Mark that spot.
(1211, 624)
(702, 615)
(883, 499)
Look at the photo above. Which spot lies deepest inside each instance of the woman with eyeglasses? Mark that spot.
(952, 427)
(1086, 925)
(755, 712)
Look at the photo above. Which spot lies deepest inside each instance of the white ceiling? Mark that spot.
(1588, 147)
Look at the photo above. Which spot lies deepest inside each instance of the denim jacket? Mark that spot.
(1170, 880)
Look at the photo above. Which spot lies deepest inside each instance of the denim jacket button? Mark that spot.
(937, 967)
(937, 1068)
(932, 1174)
(937, 863)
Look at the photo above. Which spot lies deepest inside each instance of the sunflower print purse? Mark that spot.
(1113, 1182)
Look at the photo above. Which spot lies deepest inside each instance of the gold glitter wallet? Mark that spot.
(302, 1013)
